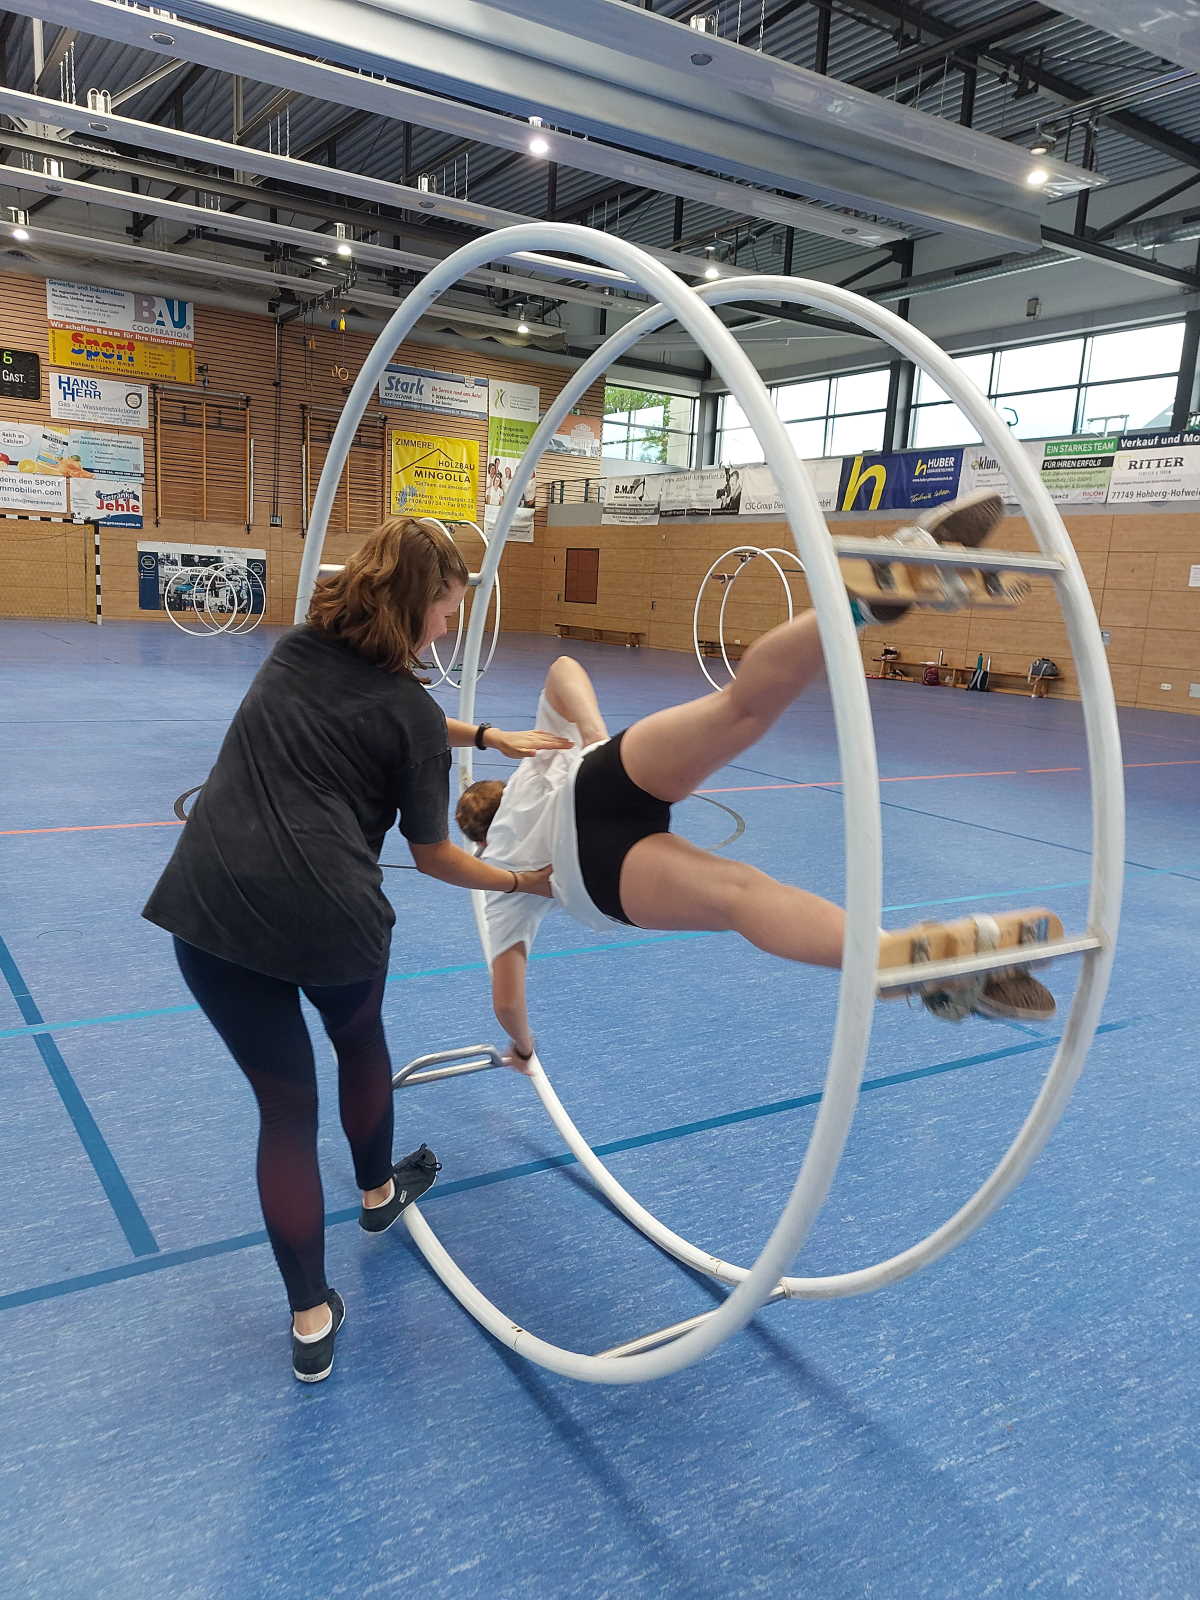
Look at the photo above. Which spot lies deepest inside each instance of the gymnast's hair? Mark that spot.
(476, 807)
(378, 602)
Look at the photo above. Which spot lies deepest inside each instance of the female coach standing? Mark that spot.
(274, 887)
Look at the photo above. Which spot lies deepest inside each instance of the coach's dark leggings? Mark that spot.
(260, 1020)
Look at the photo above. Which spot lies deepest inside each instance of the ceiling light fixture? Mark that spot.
(1043, 143)
(712, 270)
(17, 221)
(539, 145)
(523, 327)
(344, 247)
(321, 261)
(1037, 177)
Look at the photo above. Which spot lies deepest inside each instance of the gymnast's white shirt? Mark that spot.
(535, 827)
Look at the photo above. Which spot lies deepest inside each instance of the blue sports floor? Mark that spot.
(1021, 1418)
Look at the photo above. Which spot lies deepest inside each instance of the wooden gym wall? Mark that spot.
(1137, 567)
(45, 567)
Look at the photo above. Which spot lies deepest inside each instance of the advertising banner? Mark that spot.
(513, 412)
(114, 455)
(633, 499)
(158, 563)
(577, 436)
(1078, 470)
(912, 480)
(116, 502)
(32, 447)
(694, 494)
(118, 355)
(450, 394)
(75, 397)
(1168, 468)
(434, 477)
(35, 492)
(97, 310)
(760, 496)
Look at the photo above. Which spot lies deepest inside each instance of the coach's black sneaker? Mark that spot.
(411, 1178)
(313, 1360)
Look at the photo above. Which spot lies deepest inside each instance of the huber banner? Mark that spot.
(910, 481)
(513, 412)
(434, 477)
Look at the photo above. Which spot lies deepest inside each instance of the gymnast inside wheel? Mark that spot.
(601, 813)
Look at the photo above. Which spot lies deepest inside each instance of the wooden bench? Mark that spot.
(960, 677)
(572, 630)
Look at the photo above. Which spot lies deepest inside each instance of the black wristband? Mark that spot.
(516, 883)
(479, 733)
(520, 1054)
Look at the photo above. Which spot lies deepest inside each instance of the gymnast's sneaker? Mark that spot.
(968, 520)
(312, 1359)
(411, 1178)
(1015, 996)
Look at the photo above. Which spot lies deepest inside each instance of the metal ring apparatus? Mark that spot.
(668, 1350)
(746, 553)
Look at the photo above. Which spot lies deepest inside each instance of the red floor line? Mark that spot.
(90, 827)
(742, 788)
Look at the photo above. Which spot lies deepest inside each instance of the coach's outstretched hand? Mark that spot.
(516, 746)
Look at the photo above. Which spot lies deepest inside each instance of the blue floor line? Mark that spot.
(120, 1197)
(1008, 833)
(42, 1027)
(245, 1241)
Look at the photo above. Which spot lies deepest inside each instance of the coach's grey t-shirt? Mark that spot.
(277, 867)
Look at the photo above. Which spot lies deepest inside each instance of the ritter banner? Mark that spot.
(911, 481)
(513, 412)
(434, 477)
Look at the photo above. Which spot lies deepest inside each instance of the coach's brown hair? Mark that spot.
(379, 600)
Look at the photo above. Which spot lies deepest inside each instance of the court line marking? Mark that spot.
(683, 1130)
(934, 777)
(120, 1197)
(537, 955)
(747, 788)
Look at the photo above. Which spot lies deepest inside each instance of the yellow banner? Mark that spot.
(434, 477)
(117, 355)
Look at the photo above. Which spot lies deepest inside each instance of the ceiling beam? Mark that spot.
(57, 52)
(1125, 259)
(369, 91)
(893, 13)
(1165, 29)
(983, 33)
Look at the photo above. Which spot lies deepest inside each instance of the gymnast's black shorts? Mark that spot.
(611, 815)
